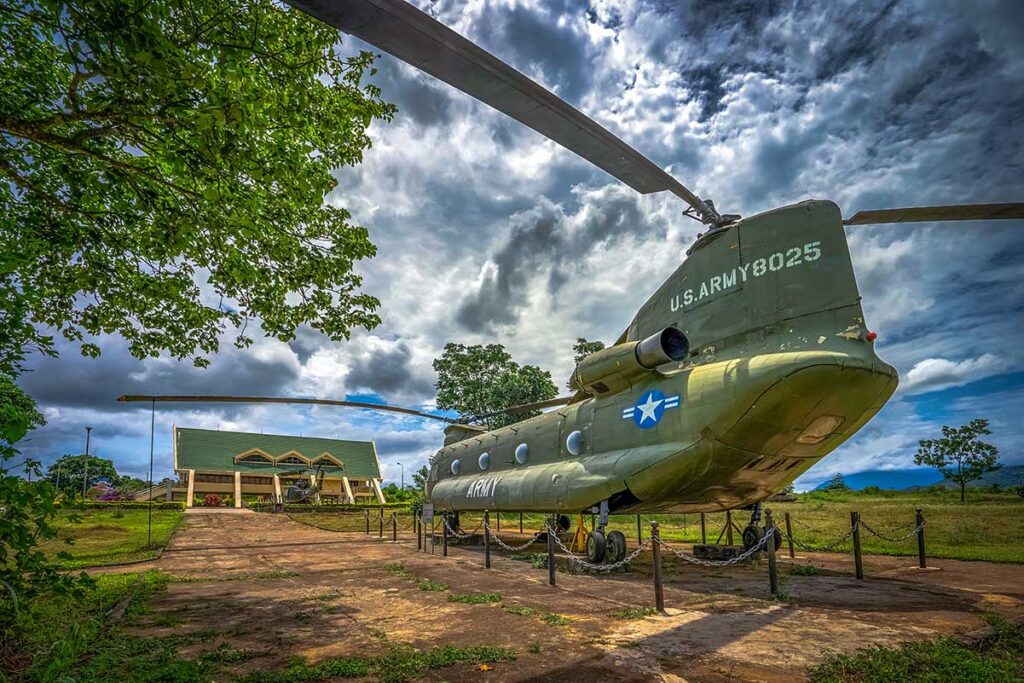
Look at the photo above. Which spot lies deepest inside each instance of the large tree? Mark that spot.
(960, 455)
(165, 166)
(163, 171)
(474, 380)
(68, 471)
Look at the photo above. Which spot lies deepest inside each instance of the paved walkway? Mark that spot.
(265, 582)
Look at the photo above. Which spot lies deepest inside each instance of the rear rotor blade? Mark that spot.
(958, 212)
(405, 32)
(275, 399)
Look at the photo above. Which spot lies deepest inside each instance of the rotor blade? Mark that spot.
(274, 399)
(403, 31)
(957, 212)
(526, 407)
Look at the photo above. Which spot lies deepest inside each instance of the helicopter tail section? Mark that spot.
(755, 283)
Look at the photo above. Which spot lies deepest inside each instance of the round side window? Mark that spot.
(522, 450)
(456, 466)
(485, 461)
(575, 442)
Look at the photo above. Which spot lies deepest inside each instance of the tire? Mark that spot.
(777, 538)
(563, 523)
(752, 535)
(616, 546)
(596, 546)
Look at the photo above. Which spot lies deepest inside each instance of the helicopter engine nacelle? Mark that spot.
(616, 367)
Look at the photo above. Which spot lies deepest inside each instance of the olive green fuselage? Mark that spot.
(781, 370)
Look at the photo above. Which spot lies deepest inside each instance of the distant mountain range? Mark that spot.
(1008, 475)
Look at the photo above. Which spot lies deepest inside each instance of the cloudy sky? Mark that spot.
(486, 232)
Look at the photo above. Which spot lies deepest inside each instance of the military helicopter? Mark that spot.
(306, 490)
(747, 365)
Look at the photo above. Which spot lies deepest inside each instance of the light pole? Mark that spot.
(403, 475)
(85, 478)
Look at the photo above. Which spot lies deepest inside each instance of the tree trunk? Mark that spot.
(963, 486)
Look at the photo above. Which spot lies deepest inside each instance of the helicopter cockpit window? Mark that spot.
(456, 466)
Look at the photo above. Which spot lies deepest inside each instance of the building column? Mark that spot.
(238, 489)
(349, 498)
(277, 489)
(191, 488)
(376, 489)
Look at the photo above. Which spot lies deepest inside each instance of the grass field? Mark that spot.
(987, 527)
(103, 537)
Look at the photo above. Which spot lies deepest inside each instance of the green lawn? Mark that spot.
(986, 527)
(102, 537)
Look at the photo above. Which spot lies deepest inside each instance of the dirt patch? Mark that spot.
(268, 584)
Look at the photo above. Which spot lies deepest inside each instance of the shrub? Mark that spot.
(212, 500)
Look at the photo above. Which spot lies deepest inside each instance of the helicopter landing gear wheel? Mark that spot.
(752, 535)
(562, 523)
(616, 546)
(596, 546)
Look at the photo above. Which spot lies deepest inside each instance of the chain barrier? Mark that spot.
(576, 559)
(822, 548)
(746, 554)
(457, 534)
(509, 548)
(899, 539)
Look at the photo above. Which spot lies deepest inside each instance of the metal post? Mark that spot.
(857, 560)
(444, 532)
(639, 535)
(728, 527)
(920, 540)
(85, 475)
(497, 515)
(380, 523)
(789, 537)
(551, 553)
(418, 523)
(703, 530)
(433, 534)
(773, 566)
(394, 527)
(367, 514)
(659, 590)
(520, 522)
(152, 431)
(487, 539)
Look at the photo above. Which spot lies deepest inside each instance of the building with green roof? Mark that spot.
(258, 466)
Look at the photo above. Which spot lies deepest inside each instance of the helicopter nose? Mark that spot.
(804, 407)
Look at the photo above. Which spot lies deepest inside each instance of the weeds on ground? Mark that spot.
(553, 619)
(520, 610)
(401, 664)
(474, 598)
(633, 613)
(533, 647)
(945, 659)
(433, 586)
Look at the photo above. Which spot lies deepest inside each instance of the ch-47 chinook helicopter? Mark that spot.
(747, 365)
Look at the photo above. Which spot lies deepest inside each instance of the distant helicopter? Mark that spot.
(306, 490)
(747, 365)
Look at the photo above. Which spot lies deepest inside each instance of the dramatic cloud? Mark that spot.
(933, 374)
(487, 232)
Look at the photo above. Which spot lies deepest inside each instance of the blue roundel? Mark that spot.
(648, 409)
